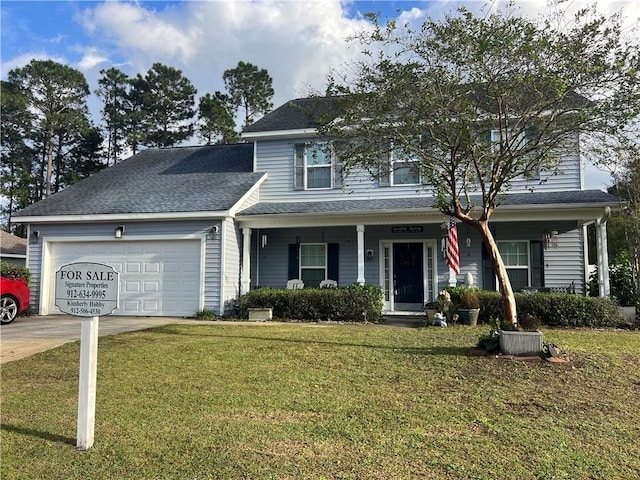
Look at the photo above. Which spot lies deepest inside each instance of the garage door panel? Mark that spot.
(151, 287)
(152, 267)
(133, 267)
(156, 277)
(132, 306)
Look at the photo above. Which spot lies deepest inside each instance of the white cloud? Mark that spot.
(91, 58)
(297, 42)
(22, 60)
(133, 28)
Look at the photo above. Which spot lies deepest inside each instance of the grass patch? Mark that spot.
(340, 402)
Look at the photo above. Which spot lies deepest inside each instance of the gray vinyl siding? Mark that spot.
(232, 263)
(34, 264)
(153, 230)
(270, 268)
(564, 264)
(250, 200)
(276, 157)
(269, 264)
(213, 270)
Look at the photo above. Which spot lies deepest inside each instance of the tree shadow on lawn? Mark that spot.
(50, 437)
(427, 350)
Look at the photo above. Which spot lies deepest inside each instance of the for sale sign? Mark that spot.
(87, 289)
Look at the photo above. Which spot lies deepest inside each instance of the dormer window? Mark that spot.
(314, 167)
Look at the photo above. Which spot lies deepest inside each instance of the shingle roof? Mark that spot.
(310, 113)
(12, 245)
(301, 113)
(574, 198)
(183, 179)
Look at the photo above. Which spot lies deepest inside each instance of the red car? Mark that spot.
(15, 298)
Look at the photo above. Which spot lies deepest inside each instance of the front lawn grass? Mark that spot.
(326, 402)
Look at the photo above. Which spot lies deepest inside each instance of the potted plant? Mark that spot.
(442, 304)
(469, 308)
(526, 340)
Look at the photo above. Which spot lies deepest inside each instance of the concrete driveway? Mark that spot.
(29, 335)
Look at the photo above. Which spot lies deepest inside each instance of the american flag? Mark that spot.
(453, 254)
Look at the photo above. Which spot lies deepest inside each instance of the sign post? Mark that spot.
(87, 290)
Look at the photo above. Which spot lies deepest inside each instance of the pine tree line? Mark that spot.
(50, 142)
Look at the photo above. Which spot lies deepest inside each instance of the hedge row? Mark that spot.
(556, 309)
(11, 270)
(354, 303)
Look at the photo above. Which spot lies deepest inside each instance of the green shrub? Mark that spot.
(623, 288)
(529, 323)
(205, 314)
(552, 309)
(11, 270)
(354, 303)
(556, 309)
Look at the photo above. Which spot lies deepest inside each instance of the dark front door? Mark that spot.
(408, 276)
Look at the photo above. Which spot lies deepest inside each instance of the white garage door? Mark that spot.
(157, 278)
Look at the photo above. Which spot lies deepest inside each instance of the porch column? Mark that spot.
(245, 283)
(604, 288)
(360, 230)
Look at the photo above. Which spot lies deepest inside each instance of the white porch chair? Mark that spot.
(295, 284)
(328, 284)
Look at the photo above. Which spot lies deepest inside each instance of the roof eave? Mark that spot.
(580, 212)
(272, 134)
(119, 217)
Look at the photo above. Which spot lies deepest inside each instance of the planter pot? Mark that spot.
(469, 316)
(520, 343)
(430, 313)
(260, 314)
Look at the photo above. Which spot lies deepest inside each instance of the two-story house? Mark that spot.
(195, 227)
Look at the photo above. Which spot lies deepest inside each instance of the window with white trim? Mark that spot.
(515, 256)
(313, 167)
(403, 168)
(313, 263)
(517, 142)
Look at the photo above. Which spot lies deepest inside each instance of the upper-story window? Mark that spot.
(514, 141)
(403, 166)
(510, 138)
(315, 167)
(400, 169)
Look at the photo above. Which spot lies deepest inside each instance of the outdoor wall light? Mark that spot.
(263, 240)
(33, 238)
(213, 232)
(119, 231)
(468, 242)
(369, 254)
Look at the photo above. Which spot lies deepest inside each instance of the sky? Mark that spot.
(297, 41)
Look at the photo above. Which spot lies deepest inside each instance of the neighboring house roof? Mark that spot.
(155, 181)
(588, 198)
(12, 246)
(298, 114)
